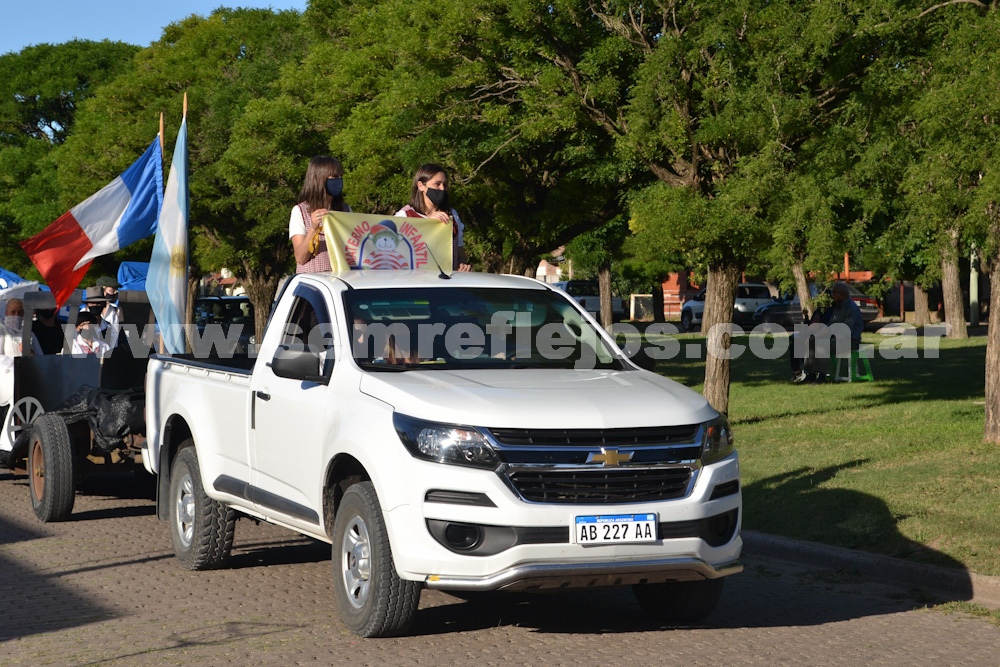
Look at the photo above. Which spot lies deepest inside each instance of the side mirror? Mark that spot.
(298, 364)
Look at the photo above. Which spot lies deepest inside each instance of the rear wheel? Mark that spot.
(679, 601)
(201, 529)
(373, 600)
(50, 469)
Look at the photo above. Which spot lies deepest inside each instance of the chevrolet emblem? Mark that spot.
(610, 457)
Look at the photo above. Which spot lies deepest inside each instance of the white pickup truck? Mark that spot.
(471, 433)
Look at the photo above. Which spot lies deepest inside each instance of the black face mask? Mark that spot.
(335, 187)
(438, 197)
(96, 310)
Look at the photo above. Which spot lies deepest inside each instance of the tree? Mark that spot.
(41, 88)
(593, 253)
(238, 217)
(724, 100)
(484, 98)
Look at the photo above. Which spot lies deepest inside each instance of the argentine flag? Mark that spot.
(166, 282)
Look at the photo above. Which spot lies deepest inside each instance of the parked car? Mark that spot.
(226, 311)
(787, 309)
(588, 294)
(749, 296)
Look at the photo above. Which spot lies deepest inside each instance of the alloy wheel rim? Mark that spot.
(185, 511)
(356, 562)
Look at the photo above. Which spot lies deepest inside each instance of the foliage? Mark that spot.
(476, 88)
(41, 89)
(223, 62)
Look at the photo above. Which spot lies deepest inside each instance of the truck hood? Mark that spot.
(540, 398)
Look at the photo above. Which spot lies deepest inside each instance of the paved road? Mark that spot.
(104, 589)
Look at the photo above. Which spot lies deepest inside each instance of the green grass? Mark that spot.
(896, 467)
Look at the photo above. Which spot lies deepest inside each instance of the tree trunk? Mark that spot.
(192, 294)
(802, 286)
(719, 301)
(658, 315)
(951, 286)
(991, 432)
(604, 284)
(260, 290)
(921, 311)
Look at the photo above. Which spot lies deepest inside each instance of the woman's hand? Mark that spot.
(441, 215)
(317, 230)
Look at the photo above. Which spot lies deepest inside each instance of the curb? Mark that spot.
(950, 583)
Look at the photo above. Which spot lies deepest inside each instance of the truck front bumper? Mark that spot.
(542, 576)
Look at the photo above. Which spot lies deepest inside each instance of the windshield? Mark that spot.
(424, 328)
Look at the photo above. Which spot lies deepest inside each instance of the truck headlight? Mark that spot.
(716, 440)
(445, 443)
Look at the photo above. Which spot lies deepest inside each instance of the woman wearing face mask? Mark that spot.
(429, 199)
(322, 191)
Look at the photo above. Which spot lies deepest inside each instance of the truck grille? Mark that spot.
(581, 437)
(622, 485)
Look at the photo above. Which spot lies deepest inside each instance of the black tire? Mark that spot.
(687, 321)
(766, 318)
(201, 529)
(51, 483)
(372, 599)
(679, 601)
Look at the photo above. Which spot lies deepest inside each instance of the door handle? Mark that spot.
(262, 396)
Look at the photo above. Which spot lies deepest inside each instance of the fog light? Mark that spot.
(462, 536)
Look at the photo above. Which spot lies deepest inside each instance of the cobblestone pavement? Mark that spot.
(105, 589)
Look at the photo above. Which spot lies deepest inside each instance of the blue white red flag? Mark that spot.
(122, 212)
(166, 282)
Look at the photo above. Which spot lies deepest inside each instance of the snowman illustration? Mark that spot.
(385, 239)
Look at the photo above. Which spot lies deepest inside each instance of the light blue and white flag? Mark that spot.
(166, 282)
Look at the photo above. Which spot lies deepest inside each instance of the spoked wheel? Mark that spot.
(373, 600)
(50, 469)
(21, 415)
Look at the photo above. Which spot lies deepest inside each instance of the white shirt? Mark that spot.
(82, 346)
(10, 347)
(296, 225)
(459, 225)
(110, 327)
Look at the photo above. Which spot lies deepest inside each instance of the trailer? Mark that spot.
(72, 415)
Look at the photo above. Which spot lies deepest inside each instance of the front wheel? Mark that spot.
(373, 600)
(687, 321)
(679, 601)
(50, 469)
(201, 529)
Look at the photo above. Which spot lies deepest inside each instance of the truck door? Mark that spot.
(290, 417)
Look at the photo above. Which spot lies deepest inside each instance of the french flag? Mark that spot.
(122, 212)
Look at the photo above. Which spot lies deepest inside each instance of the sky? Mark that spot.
(140, 22)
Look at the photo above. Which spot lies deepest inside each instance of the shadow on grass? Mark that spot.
(955, 374)
(796, 504)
